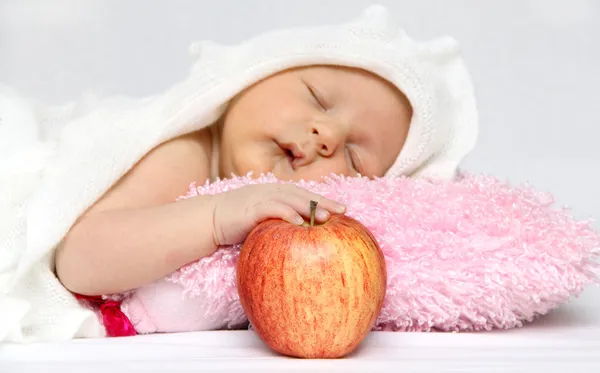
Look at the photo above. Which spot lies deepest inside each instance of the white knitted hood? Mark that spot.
(62, 159)
(431, 74)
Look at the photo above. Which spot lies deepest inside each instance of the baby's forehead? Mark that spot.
(365, 86)
(376, 103)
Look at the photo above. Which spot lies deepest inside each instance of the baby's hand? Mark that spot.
(238, 211)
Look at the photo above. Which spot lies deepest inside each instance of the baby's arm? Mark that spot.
(136, 233)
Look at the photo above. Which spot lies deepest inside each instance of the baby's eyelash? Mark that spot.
(316, 96)
(353, 161)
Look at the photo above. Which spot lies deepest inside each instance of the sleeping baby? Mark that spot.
(358, 98)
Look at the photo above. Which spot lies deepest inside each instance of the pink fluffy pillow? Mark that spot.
(471, 254)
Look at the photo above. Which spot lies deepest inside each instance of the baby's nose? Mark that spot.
(327, 140)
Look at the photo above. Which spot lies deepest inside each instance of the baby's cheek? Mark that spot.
(257, 164)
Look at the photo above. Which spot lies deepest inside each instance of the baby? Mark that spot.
(100, 215)
(302, 123)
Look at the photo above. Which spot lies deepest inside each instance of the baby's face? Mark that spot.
(310, 122)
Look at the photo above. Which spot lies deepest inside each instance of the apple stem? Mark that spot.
(313, 209)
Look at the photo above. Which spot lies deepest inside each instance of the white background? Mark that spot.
(536, 68)
(535, 65)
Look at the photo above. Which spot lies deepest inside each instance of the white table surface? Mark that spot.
(566, 340)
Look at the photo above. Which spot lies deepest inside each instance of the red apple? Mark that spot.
(312, 291)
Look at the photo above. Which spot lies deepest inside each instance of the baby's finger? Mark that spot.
(281, 211)
(325, 203)
(302, 205)
(300, 202)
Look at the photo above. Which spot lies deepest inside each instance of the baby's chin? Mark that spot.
(280, 168)
(283, 172)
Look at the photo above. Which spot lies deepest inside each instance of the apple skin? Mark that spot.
(312, 291)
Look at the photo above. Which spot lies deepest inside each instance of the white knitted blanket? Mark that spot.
(57, 161)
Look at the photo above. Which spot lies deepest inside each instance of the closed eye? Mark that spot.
(354, 161)
(315, 94)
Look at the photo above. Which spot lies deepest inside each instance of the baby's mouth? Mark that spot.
(293, 152)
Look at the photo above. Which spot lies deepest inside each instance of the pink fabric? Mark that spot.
(470, 254)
